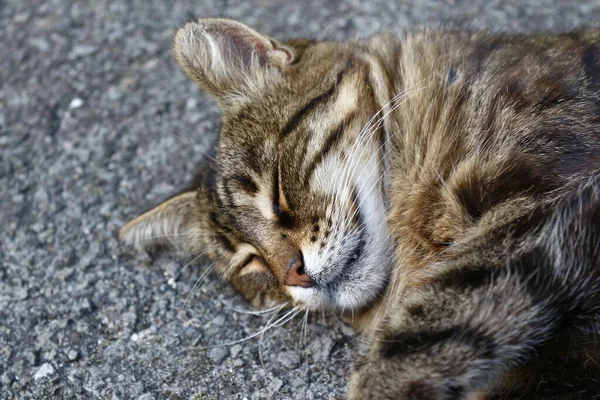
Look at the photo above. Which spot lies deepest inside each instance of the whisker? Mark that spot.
(198, 282)
(260, 357)
(254, 312)
(369, 130)
(304, 337)
(177, 274)
(281, 321)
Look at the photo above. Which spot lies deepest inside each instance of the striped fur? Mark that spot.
(441, 190)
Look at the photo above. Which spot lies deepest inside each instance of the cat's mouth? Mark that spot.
(347, 288)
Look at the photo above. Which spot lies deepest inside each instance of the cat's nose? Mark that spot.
(297, 276)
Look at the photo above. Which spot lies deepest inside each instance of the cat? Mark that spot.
(439, 191)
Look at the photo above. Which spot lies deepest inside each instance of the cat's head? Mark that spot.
(294, 207)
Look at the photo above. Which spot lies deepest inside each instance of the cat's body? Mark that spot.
(441, 192)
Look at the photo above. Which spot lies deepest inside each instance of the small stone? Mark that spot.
(289, 359)
(134, 337)
(6, 352)
(321, 349)
(172, 268)
(218, 321)
(51, 355)
(75, 103)
(217, 354)
(20, 293)
(235, 350)
(73, 355)
(20, 18)
(297, 382)
(238, 363)
(6, 379)
(45, 370)
(31, 357)
(81, 50)
(129, 318)
(275, 385)
(146, 396)
(40, 43)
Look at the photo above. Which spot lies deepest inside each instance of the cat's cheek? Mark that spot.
(259, 286)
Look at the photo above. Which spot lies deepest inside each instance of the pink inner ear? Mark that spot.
(239, 44)
(289, 57)
(243, 44)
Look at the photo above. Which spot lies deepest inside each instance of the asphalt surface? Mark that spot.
(97, 124)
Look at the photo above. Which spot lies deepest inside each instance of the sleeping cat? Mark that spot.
(441, 192)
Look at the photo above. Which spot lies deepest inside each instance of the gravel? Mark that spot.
(97, 123)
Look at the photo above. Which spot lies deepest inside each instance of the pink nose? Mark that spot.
(296, 276)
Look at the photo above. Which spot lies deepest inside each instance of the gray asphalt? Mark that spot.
(97, 124)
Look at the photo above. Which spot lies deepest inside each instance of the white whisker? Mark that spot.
(198, 282)
(279, 322)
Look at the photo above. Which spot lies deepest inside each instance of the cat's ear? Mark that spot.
(225, 56)
(176, 222)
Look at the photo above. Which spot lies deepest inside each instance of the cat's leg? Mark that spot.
(490, 308)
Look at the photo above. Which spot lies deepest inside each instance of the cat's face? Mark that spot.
(298, 192)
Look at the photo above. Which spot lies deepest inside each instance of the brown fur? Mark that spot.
(485, 175)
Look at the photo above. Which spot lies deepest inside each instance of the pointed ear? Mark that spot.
(176, 222)
(225, 56)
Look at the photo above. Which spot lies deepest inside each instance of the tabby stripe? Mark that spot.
(283, 216)
(308, 107)
(276, 205)
(355, 210)
(330, 143)
(591, 66)
(229, 201)
(225, 242)
(467, 278)
(407, 343)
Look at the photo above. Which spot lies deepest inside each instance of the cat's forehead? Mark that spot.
(326, 71)
(297, 133)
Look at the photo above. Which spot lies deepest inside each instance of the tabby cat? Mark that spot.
(440, 191)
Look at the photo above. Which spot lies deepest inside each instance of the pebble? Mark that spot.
(20, 293)
(238, 363)
(218, 321)
(76, 103)
(40, 43)
(73, 355)
(217, 354)
(45, 370)
(275, 385)
(81, 50)
(50, 355)
(297, 382)
(235, 349)
(6, 379)
(321, 348)
(31, 357)
(289, 359)
(21, 17)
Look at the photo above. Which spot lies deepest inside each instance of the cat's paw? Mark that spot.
(378, 378)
